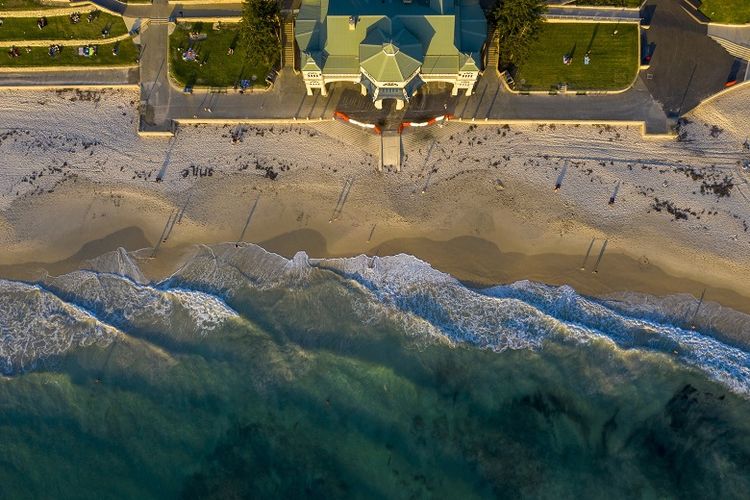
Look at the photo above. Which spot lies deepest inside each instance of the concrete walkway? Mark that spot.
(574, 13)
(71, 78)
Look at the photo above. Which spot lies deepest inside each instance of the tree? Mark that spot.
(261, 31)
(517, 24)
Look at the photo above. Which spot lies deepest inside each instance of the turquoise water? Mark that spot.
(249, 375)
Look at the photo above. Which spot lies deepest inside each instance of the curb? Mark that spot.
(94, 86)
(501, 74)
(64, 69)
(203, 2)
(720, 94)
(218, 19)
(249, 121)
(573, 20)
(598, 7)
(201, 88)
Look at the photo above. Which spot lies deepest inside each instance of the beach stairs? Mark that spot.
(740, 51)
(493, 52)
(390, 150)
(289, 50)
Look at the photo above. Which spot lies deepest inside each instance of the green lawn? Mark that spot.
(60, 28)
(217, 69)
(29, 5)
(614, 58)
(610, 3)
(727, 11)
(39, 56)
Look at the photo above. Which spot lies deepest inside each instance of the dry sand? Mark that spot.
(478, 202)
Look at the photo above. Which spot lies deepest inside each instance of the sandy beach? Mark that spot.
(475, 201)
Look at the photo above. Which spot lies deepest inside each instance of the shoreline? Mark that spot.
(476, 203)
(476, 262)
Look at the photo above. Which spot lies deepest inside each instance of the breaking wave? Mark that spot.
(428, 304)
(35, 324)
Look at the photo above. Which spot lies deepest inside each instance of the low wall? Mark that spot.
(54, 88)
(540, 121)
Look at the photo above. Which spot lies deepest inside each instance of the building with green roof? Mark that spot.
(390, 47)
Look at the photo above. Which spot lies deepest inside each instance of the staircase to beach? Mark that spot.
(493, 52)
(736, 49)
(287, 41)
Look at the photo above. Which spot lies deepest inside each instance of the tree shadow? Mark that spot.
(572, 51)
(240, 76)
(593, 36)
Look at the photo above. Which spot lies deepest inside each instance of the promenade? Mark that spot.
(657, 97)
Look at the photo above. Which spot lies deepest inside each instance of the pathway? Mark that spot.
(574, 13)
(89, 76)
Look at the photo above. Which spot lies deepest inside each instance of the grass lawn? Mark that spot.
(610, 3)
(727, 11)
(614, 58)
(39, 56)
(60, 28)
(218, 69)
(29, 5)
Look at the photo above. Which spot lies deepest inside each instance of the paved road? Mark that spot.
(687, 65)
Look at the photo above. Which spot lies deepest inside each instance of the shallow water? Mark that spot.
(247, 374)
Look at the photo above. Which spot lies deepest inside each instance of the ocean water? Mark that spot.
(248, 375)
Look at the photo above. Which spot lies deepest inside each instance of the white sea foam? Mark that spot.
(206, 311)
(518, 316)
(427, 302)
(117, 262)
(35, 324)
(227, 268)
(132, 305)
(38, 321)
(458, 313)
(525, 314)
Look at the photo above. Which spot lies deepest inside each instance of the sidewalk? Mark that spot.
(574, 13)
(83, 77)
